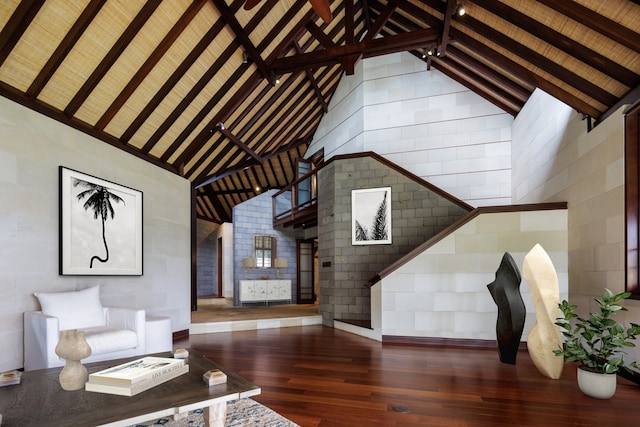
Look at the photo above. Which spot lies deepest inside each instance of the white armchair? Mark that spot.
(111, 332)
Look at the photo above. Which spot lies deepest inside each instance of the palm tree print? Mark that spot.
(379, 228)
(98, 199)
(361, 232)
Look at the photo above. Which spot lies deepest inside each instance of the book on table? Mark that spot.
(137, 376)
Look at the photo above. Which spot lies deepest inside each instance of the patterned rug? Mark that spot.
(240, 413)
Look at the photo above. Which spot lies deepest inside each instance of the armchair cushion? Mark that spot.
(123, 335)
(74, 310)
(106, 340)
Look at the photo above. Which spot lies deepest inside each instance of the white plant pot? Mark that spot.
(600, 386)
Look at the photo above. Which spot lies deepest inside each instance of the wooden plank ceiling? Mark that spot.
(230, 98)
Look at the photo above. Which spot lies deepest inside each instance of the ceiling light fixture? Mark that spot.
(461, 9)
(274, 80)
(424, 53)
(245, 58)
(220, 126)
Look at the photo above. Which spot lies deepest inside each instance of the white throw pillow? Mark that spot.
(77, 309)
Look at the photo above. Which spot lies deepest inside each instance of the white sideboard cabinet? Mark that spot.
(265, 291)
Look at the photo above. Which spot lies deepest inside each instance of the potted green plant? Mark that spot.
(597, 342)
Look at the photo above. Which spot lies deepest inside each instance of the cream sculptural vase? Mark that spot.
(73, 347)
(545, 336)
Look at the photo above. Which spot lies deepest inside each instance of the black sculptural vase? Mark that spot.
(505, 291)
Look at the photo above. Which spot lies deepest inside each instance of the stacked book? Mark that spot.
(134, 377)
(10, 378)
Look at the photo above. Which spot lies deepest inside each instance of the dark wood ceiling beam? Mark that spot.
(229, 17)
(279, 160)
(377, 26)
(446, 26)
(252, 177)
(319, 35)
(199, 117)
(259, 115)
(196, 90)
(571, 47)
(350, 62)
(204, 157)
(487, 73)
(68, 42)
(213, 101)
(217, 205)
(365, 13)
(398, 43)
(485, 89)
(349, 22)
(538, 60)
(12, 93)
(111, 57)
(150, 63)
(244, 147)
(224, 199)
(295, 119)
(247, 88)
(413, 10)
(234, 182)
(587, 17)
(171, 82)
(481, 75)
(17, 25)
(240, 191)
(525, 74)
(204, 179)
(262, 168)
(630, 98)
(203, 206)
(193, 93)
(277, 115)
(296, 132)
(314, 84)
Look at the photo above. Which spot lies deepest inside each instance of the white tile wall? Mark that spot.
(424, 121)
(32, 146)
(443, 291)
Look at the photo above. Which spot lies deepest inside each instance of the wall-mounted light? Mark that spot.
(220, 126)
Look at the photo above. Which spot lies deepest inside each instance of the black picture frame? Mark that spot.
(100, 226)
(371, 216)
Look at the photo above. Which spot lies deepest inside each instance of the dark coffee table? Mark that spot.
(40, 401)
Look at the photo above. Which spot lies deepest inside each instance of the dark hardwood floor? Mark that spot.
(324, 377)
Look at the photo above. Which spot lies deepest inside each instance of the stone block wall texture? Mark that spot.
(424, 121)
(417, 214)
(255, 218)
(207, 274)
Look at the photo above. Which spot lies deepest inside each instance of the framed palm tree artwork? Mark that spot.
(371, 216)
(100, 226)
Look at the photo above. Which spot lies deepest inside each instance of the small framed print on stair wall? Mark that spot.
(371, 216)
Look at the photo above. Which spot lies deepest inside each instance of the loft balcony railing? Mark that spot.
(296, 204)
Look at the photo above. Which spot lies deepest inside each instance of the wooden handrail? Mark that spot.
(456, 225)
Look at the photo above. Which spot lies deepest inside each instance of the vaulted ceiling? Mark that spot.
(229, 98)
